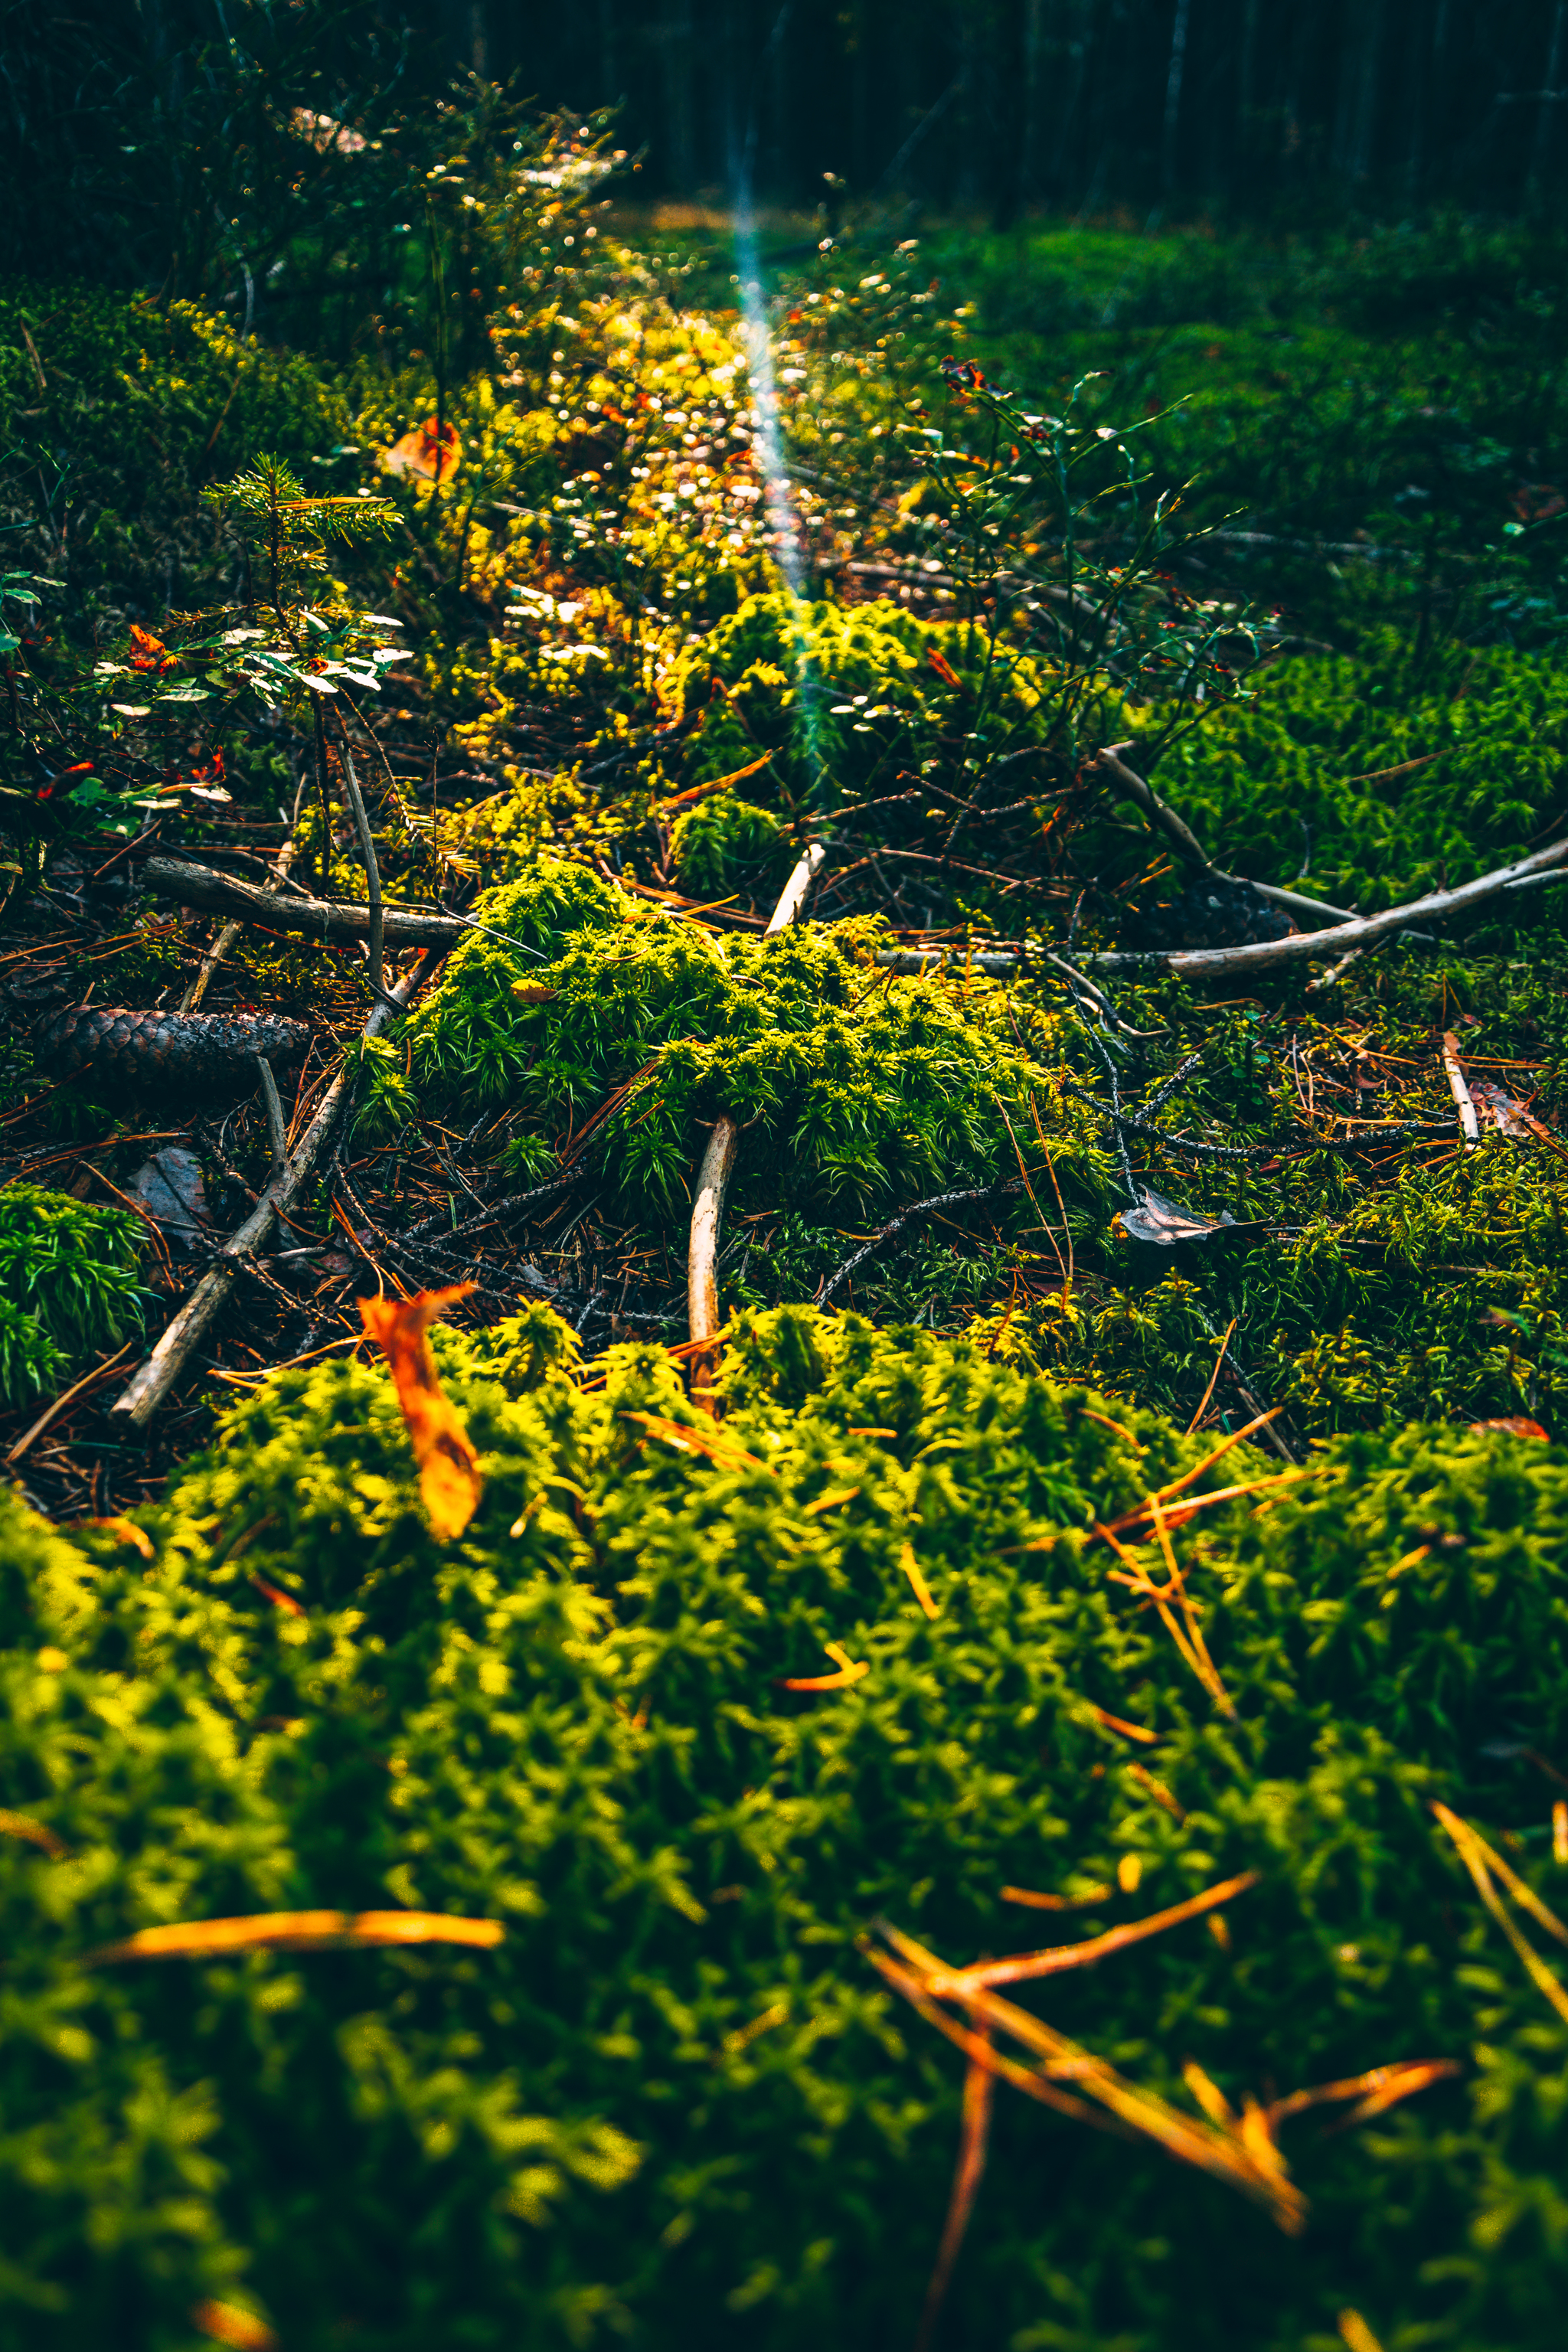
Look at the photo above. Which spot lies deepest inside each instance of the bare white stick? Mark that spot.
(151, 1381)
(1469, 1125)
(792, 898)
(714, 1177)
(702, 1254)
(1200, 963)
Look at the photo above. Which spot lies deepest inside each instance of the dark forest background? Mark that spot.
(130, 131)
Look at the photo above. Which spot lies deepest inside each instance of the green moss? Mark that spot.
(856, 1087)
(570, 1721)
(68, 1285)
(726, 844)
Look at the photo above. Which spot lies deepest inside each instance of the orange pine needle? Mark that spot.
(979, 2089)
(848, 1672)
(1157, 1789)
(1481, 1861)
(1379, 2088)
(298, 1931)
(1116, 1723)
(918, 1584)
(1025, 1967)
(23, 1825)
(449, 1478)
(1222, 2154)
(1090, 1902)
(710, 1442)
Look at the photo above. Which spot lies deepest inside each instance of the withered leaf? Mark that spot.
(450, 1479)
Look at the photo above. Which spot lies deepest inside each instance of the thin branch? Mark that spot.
(150, 1384)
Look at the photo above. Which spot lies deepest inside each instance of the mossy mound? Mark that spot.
(862, 1087)
(675, 2103)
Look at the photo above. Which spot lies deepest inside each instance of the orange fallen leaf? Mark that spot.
(226, 2323)
(151, 653)
(432, 450)
(299, 1931)
(450, 1479)
(848, 1672)
(942, 668)
(1511, 1425)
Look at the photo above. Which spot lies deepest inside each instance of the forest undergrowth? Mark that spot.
(1142, 1357)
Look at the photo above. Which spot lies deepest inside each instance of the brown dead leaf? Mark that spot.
(450, 1479)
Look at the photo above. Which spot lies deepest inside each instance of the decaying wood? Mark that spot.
(702, 1256)
(151, 1382)
(190, 885)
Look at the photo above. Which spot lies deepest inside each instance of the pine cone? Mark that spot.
(137, 1053)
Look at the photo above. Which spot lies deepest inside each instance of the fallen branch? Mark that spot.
(151, 1382)
(191, 1001)
(1182, 837)
(1200, 964)
(321, 919)
(702, 1256)
(792, 897)
(714, 1177)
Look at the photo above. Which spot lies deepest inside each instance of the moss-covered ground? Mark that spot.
(1296, 543)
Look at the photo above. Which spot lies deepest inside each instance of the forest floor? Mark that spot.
(1143, 652)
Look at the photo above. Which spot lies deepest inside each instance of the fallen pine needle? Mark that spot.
(1481, 1861)
(23, 1825)
(1357, 2335)
(449, 1478)
(1116, 1723)
(298, 1931)
(710, 1442)
(1157, 1789)
(1025, 1967)
(974, 2132)
(918, 1584)
(1222, 2154)
(1090, 1902)
(848, 1672)
(1213, 1376)
(1379, 2088)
